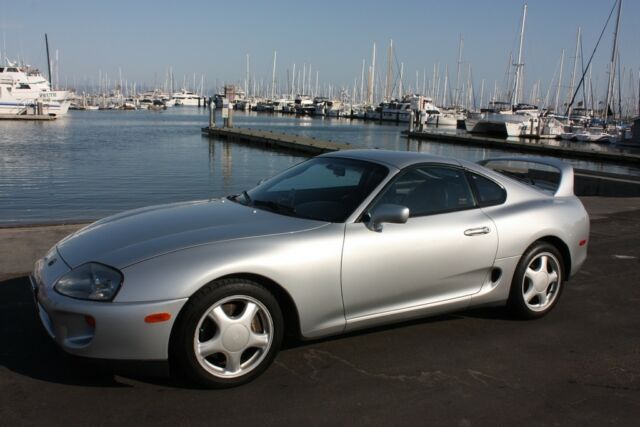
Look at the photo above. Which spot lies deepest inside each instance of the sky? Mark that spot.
(212, 38)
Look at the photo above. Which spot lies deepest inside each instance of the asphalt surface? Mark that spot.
(580, 365)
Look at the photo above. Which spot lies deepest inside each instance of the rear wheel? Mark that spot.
(228, 334)
(537, 282)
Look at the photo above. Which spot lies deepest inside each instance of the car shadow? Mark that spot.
(27, 350)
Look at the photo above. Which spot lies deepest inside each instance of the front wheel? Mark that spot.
(537, 282)
(228, 333)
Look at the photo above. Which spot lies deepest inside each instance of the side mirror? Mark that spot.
(394, 214)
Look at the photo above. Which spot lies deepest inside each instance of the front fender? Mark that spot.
(305, 264)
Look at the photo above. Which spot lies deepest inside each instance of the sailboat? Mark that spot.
(508, 118)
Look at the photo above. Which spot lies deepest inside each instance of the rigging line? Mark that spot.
(573, 98)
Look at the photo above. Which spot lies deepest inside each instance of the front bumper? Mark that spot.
(103, 330)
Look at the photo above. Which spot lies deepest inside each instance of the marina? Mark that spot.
(80, 170)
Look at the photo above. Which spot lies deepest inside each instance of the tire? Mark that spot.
(537, 282)
(227, 334)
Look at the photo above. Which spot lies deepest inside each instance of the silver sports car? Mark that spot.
(343, 241)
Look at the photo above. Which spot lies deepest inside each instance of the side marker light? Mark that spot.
(157, 317)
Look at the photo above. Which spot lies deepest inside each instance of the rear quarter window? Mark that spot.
(488, 193)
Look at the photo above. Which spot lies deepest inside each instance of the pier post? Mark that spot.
(230, 119)
(39, 109)
(212, 114)
(411, 121)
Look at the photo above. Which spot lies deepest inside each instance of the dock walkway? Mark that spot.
(286, 141)
(541, 147)
(40, 117)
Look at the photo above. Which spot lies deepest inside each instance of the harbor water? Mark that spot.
(91, 164)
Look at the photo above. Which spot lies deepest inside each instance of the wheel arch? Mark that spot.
(287, 305)
(289, 309)
(562, 247)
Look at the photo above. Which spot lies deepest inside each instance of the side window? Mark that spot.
(488, 192)
(429, 190)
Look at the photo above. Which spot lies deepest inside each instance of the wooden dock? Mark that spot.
(31, 117)
(285, 141)
(541, 146)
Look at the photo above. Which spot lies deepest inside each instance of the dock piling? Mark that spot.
(212, 114)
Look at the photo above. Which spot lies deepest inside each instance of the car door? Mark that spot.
(443, 252)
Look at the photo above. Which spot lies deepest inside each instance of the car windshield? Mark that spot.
(323, 188)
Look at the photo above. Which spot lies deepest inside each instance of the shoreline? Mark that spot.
(25, 243)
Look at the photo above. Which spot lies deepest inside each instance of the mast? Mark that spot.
(555, 109)
(457, 98)
(373, 76)
(46, 42)
(273, 76)
(362, 82)
(401, 77)
(304, 78)
(519, 65)
(446, 80)
(293, 82)
(387, 84)
(612, 65)
(246, 80)
(575, 63)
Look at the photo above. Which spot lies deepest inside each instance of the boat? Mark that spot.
(157, 105)
(444, 117)
(598, 135)
(502, 119)
(511, 119)
(304, 105)
(22, 88)
(187, 98)
(400, 110)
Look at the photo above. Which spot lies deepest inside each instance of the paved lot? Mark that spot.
(578, 366)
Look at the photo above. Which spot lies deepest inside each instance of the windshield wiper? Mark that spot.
(275, 207)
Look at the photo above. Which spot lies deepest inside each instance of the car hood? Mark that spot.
(130, 237)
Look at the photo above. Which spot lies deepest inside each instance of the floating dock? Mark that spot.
(540, 146)
(285, 141)
(27, 117)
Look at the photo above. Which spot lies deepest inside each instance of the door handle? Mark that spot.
(477, 231)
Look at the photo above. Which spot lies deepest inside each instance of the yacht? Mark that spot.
(444, 117)
(504, 120)
(400, 110)
(23, 87)
(304, 105)
(188, 98)
(599, 135)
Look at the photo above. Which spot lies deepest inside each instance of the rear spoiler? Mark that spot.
(565, 185)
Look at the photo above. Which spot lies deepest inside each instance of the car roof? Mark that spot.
(396, 159)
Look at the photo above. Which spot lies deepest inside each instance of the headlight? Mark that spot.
(91, 281)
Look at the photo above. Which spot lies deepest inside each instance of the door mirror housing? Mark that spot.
(394, 214)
